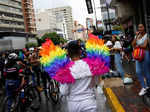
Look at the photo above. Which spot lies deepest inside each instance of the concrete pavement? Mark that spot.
(48, 106)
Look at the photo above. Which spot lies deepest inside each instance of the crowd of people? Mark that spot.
(18, 66)
(14, 63)
(132, 49)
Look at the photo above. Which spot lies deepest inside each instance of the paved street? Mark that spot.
(48, 106)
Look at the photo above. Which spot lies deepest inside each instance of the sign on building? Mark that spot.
(89, 6)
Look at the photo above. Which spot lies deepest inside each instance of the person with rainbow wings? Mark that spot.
(77, 76)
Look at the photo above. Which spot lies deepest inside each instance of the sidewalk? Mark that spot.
(126, 99)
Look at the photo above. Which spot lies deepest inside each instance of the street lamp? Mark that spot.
(107, 7)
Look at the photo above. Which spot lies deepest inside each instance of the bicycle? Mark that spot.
(22, 99)
(54, 90)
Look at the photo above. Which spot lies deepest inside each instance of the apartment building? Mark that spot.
(29, 16)
(65, 13)
(45, 22)
(11, 16)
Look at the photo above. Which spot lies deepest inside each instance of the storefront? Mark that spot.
(132, 13)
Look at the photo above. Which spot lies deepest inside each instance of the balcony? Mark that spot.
(31, 26)
(29, 12)
(11, 19)
(10, 11)
(20, 26)
(27, 2)
(10, 4)
(12, 26)
(18, 0)
(29, 17)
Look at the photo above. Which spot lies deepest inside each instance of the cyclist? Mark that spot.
(14, 77)
(35, 63)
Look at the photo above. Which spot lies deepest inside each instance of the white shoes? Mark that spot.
(142, 92)
(127, 80)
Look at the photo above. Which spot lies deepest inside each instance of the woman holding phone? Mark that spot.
(142, 67)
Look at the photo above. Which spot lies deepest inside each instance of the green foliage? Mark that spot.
(31, 44)
(54, 37)
(118, 27)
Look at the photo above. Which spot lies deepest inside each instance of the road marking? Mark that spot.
(113, 101)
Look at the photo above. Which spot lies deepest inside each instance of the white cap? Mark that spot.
(31, 49)
(109, 43)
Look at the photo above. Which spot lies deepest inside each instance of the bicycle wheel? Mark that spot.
(33, 94)
(14, 105)
(54, 91)
(5, 105)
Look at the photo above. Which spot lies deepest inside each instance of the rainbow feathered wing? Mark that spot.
(57, 64)
(97, 55)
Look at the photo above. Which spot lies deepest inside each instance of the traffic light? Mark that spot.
(89, 6)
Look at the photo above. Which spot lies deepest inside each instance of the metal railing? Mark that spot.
(11, 26)
(10, 11)
(11, 19)
(10, 4)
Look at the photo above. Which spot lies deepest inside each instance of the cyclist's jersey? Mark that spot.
(13, 72)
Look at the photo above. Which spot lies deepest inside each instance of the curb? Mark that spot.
(113, 101)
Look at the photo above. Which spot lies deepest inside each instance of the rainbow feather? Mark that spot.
(57, 64)
(97, 55)
(54, 61)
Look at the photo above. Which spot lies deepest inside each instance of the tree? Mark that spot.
(31, 44)
(54, 37)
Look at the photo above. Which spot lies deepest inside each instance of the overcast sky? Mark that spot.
(78, 7)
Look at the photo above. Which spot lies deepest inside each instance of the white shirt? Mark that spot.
(83, 87)
(117, 45)
(142, 40)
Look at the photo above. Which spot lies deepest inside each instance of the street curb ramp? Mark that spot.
(113, 101)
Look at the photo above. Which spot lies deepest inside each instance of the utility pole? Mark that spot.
(107, 8)
(95, 13)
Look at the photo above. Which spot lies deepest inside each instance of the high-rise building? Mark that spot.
(45, 21)
(29, 16)
(11, 16)
(65, 13)
(57, 20)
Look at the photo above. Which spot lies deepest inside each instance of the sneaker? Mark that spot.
(127, 80)
(40, 89)
(142, 92)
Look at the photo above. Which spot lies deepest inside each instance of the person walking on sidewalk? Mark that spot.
(117, 49)
(81, 94)
(142, 67)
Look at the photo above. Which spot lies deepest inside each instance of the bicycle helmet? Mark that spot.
(12, 56)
